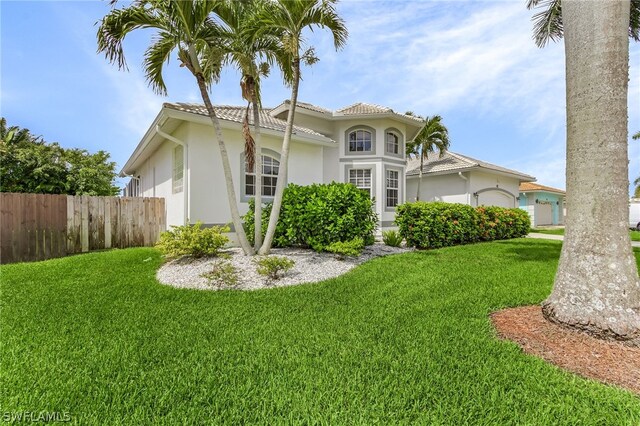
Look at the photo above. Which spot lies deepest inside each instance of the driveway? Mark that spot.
(561, 237)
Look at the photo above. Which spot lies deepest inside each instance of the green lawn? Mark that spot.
(635, 235)
(404, 339)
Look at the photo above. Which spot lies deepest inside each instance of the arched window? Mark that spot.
(392, 143)
(360, 141)
(270, 169)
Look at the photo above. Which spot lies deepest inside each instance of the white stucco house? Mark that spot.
(456, 178)
(178, 159)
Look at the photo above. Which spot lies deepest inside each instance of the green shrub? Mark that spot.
(346, 248)
(318, 215)
(392, 238)
(223, 273)
(192, 240)
(498, 223)
(438, 224)
(273, 267)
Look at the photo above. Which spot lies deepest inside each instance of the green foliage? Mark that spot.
(392, 238)
(438, 224)
(498, 223)
(29, 164)
(193, 240)
(223, 273)
(273, 267)
(347, 248)
(318, 215)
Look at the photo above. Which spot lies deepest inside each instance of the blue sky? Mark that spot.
(474, 63)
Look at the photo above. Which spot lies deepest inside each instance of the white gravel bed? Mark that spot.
(309, 267)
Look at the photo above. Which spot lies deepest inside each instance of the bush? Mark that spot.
(497, 223)
(346, 248)
(318, 215)
(192, 240)
(273, 267)
(438, 224)
(392, 238)
(222, 274)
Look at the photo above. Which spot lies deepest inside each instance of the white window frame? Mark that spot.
(359, 178)
(270, 169)
(396, 144)
(392, 184)
(363, 141)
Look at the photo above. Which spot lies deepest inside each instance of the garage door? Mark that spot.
(495, 198)
(544, 214)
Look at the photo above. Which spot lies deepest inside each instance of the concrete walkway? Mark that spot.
(561, 237)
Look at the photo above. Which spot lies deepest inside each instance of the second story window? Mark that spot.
(392, 143)
(360, 141)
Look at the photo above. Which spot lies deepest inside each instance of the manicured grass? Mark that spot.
(404, 339)
(635, 235)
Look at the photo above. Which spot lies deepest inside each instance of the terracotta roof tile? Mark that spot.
(451, 161)
(236, 114)
(530, 186)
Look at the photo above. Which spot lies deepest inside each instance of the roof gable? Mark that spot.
(453, 162)
(533, 187)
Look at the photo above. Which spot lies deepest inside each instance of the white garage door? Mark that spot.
(495, 198)
(544, 214)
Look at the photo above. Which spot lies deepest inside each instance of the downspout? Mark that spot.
(185, 171)
(466, 179)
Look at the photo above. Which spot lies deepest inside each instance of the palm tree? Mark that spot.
(433, 137)
(596, 287)
(636, 192)
(289, 18)
(187, 28)
(253, 53)
(548, 25)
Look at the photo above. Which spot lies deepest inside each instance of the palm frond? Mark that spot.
(155, 57)
(117, 24)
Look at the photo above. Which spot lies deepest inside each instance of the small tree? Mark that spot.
(433, 137)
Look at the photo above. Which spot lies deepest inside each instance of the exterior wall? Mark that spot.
(208, 192)
(493, 189)
(450, 188)
(156, 179)
(534, 201)
(378, 161)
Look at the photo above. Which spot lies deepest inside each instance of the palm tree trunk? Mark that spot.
(597, 287)
(226, 167)
(258, 165)
(284, 159)
(420, 177)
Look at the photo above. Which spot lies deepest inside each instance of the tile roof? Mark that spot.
(308, 106)
(236, 114)
(363, 108)
(530, 186)
(451, 161)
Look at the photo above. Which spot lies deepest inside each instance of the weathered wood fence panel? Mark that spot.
(42, 226)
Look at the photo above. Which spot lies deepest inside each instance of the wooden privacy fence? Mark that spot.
(43, 226)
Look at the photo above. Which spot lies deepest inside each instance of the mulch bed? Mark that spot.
(609, 362)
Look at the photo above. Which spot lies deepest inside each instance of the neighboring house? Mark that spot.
(456, 178)
(545, 205)
(178, 157)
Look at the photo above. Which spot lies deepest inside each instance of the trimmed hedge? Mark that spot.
(437, 224)
(319, 215)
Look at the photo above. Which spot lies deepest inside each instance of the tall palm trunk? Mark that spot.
(226, 167)
(597, 287)
(258, 165)
(420, 177)
(284, 163)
